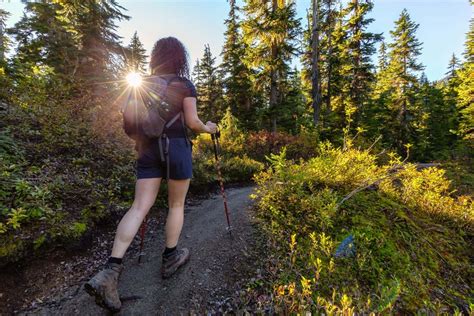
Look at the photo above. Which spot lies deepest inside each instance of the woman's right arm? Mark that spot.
(192, 120)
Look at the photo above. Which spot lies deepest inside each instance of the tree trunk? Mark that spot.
(329, 74)
(315, 77)
(356, 77)
(273, 79)
(2, 53)
(403, 110)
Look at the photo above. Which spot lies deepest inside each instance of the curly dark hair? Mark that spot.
(169, 56)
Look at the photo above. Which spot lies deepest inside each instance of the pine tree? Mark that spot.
(449, 88)
(437, 126)
(332, 38)
(3, 37)
(43, 39)
(402, 69)
(196, 76)
(136, 57)
(208, 85)
(453, 67)
(318, 58)
(346, 70)
(315, 61)
(4, 80)
(94, 23)
(335, 58)
(293, 106)
(465, 90)
(305, 59)
(361, 46)
(236, 81)
(270, 31)
(377, 113)
(382, 58)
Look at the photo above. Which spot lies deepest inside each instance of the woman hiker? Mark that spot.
(169, 60)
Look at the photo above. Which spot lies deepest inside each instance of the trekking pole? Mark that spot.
(215, 141)
(142, 237)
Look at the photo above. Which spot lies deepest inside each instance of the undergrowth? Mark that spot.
(62, 172)
(66, 165)
(412, 236)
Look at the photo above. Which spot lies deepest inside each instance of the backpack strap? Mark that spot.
(168, 81)
(174, 119)
(180, 115)
(188, 142)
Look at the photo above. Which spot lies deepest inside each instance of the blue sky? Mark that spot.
(443, 24)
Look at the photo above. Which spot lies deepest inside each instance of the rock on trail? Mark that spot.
(218, 262)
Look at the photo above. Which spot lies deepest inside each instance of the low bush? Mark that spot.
(65, 164)
(411, 236)
(236, 166)
(263, 143)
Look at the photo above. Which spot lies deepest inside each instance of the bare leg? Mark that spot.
(177, 190)
(146, 191)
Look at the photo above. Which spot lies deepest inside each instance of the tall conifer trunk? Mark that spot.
(274, 78)
(315, 78)
(329, 73)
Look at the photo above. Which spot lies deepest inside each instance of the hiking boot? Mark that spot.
(103, 287)
(172, 262)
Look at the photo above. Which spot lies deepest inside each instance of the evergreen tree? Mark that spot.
(305, 59)
(465, 90)
(293, 106)
(196, 76)
(315, 49)
(270, 31)
(438, 123)
(319, 56)
(402, 70)
(361, 46)
(377, 113)
(332, 36)
(136, 55)
(3, 36)
(449, 87)
(209, 88)
(4, 80)
(383, 58)
(94, 24)
(236, 81)
(43, 39)
(346, 69)
(453, 67)
(335, 58)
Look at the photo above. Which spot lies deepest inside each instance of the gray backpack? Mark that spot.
(147, 108)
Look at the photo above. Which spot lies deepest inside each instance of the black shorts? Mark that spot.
(149, 164)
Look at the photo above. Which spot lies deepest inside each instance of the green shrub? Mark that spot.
(234, 169)
(412, 237)
(76, 230)
(64, 163)
(236, 166)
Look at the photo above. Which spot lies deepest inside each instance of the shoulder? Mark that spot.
(188, 86)
(186, 82)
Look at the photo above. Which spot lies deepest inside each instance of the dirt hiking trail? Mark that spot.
(217, 265)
